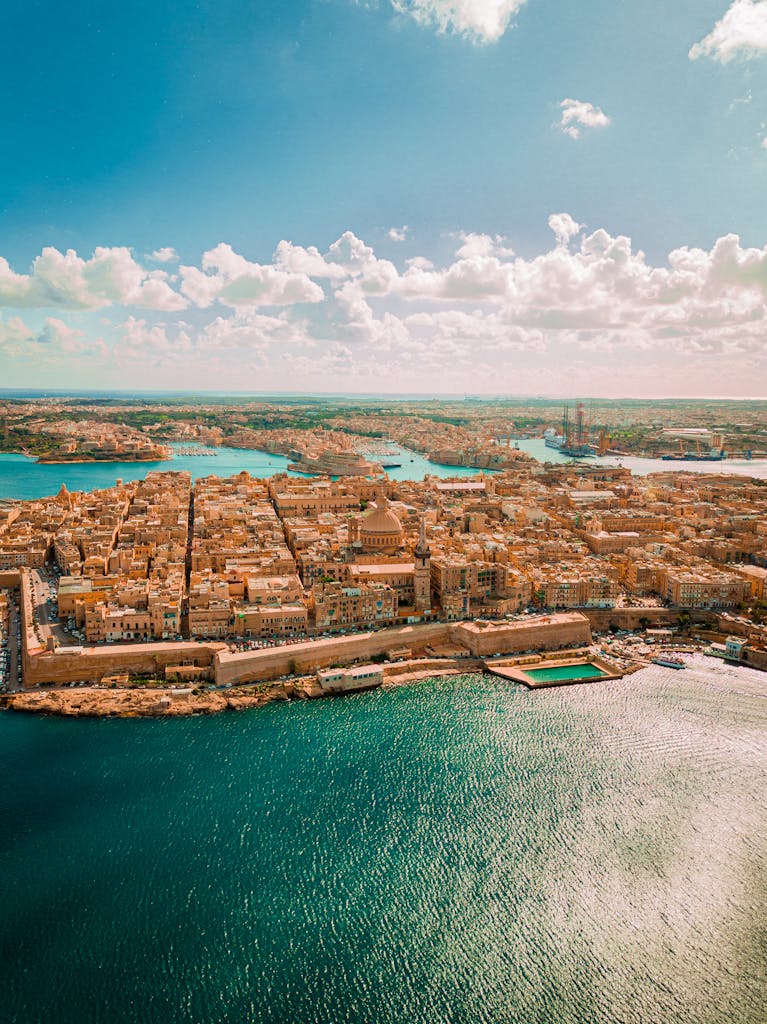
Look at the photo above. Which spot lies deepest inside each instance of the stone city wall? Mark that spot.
(541, 632)
(271, 663)
(91, 664)
(602, 619)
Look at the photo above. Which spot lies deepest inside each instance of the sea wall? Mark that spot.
(540, 632)
(271, 663)
(91, 664)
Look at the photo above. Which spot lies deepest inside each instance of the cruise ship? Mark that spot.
(553, 439)
(331, 462)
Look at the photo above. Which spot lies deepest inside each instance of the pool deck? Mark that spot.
(517, 672)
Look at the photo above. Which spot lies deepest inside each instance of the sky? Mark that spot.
(500, 197)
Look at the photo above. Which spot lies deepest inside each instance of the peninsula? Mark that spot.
(169, 596)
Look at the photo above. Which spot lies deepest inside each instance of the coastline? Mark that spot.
(151, 702)
(82, 462)
(174, 702)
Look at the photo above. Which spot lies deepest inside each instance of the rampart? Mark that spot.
(91, 664)
(603, 619)
(540, 632)
(271, 663)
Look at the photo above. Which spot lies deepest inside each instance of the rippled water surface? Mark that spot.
(459, 850)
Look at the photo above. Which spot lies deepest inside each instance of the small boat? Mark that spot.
(669, 662)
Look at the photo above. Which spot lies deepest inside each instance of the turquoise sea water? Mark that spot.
(23, 478)
(564, 672)
(459, 851)
(641, 467)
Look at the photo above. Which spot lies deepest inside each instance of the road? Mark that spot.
(14, 682)
(48, 625)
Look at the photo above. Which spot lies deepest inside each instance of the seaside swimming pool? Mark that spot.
(584, 670)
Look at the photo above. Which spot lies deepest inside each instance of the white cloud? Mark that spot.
(482, 245)
(577, 115)
(481, 21)
(480, 315)
(54, 341)
(66, 281)
(398, 234)
(165, 255)
(764, 142)
(741, 32)
(564, 227)
(295, 259)
(231, 279)
(14, 335)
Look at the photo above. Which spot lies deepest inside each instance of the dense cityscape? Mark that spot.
(256, 564)
(383, 512)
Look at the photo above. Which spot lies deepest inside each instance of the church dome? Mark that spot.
(381, 529)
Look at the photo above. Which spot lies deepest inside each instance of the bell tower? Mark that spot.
(422, 572)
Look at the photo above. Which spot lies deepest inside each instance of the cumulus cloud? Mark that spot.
(398, 234)
(741, 32)
(295, 259)
(577, 115)
(14, 333)
(55, 340)
(346, 310)
(564, 227)
(67, 281)
(165, 255)
(473, 244)
(235, 281)
(481, 21)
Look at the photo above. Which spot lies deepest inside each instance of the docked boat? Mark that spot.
(668, 661)
(553, 439)
(332, 463)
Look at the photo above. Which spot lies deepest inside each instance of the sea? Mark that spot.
(454, 851)
(25, 478)
(22, 478)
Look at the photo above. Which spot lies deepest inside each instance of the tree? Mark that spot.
(644, 622)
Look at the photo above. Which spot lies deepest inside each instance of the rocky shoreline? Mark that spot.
(94, 702)
(156, 702)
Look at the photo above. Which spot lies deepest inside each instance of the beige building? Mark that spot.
(337, 606)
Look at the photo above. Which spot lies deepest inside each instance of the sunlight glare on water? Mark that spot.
(460, 850)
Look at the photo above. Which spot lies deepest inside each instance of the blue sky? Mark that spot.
(185, 126)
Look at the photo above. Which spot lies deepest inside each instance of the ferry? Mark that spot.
(668, 661)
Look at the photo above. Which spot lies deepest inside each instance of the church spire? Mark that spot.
(422, 548)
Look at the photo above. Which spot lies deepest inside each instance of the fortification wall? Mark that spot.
(271, 663)
(629, 618)
(546, 632)
(30, 645)
(91, 664)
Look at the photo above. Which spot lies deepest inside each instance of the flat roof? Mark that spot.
(462, 485)
(380, 569)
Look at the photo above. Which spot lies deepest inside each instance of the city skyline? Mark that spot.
(497, 196)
